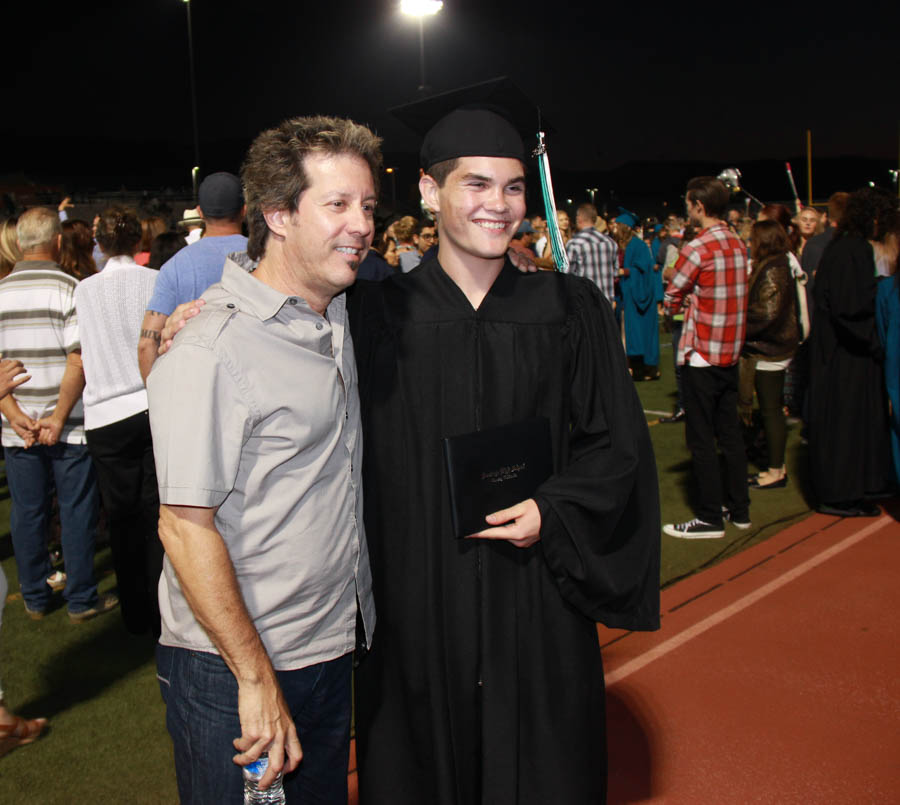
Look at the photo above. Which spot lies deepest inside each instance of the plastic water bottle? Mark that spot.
(273, 795)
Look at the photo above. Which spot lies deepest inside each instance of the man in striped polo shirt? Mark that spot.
(43, 423)
(591, 253)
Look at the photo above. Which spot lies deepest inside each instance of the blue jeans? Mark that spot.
(201, 697)
(29, 473)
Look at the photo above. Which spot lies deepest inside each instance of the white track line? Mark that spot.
(742, 603)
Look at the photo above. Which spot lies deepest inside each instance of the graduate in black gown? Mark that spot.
(484, 683)
(848, 420)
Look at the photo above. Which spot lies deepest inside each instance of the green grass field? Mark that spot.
(107, 741)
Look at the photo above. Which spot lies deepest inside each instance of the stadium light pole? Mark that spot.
(421, 9)
(196, 169)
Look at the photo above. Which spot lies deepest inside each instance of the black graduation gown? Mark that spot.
(848, 422)
(484, 683)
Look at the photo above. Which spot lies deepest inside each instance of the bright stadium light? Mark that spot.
(421, 8)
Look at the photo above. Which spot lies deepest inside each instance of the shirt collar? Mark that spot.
(711, 227)
(37, 265)
(261, 299)
(119, 261)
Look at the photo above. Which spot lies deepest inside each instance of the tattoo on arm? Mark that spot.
(153, 335)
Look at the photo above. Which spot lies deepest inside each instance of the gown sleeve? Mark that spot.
(600, 523)
(851, 297)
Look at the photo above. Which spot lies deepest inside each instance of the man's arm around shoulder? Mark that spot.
(200, 559)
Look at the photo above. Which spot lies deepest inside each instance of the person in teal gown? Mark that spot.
(887, 316)
(638, 283)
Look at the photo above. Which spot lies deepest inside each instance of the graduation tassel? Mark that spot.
(556, 242)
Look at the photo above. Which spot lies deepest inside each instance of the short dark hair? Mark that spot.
(118, 230)
(441, 170)
(586, 211)
(273, 173)
(711, 193)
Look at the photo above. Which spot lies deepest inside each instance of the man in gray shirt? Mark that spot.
(255, 419)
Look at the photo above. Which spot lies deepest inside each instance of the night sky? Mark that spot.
(102, 89)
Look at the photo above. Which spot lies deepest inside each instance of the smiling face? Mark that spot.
(326, 237)
(481, 204)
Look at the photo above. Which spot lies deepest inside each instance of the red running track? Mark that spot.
(772, 680)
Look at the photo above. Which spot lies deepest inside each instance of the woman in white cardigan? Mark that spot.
(110, 307)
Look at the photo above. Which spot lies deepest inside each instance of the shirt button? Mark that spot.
(292, 301)
(319, 325)
(230, 305)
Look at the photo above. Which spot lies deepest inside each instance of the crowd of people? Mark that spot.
(213, 384)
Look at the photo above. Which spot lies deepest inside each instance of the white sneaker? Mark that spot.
(57, 581)
(693, 529)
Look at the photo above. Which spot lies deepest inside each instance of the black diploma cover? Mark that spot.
(492, 469)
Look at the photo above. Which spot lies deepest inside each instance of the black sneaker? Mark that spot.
(742, 523)
(677, 416)
(694, 529)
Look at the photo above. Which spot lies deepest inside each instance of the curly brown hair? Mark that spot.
(273, 174)
(871, 213)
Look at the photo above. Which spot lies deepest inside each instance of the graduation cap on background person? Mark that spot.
(628, 218)
(491, 119)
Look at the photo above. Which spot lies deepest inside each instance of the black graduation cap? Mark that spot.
(487, 120)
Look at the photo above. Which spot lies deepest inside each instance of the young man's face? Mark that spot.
(332, 228)
(481, 206)
(426, 238)
(694, 211)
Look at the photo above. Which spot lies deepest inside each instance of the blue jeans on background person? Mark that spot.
(28, 474)
(201, 697)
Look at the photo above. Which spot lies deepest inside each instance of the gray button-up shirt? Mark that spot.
(255, 410)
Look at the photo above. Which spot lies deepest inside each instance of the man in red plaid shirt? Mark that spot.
(710, 282)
